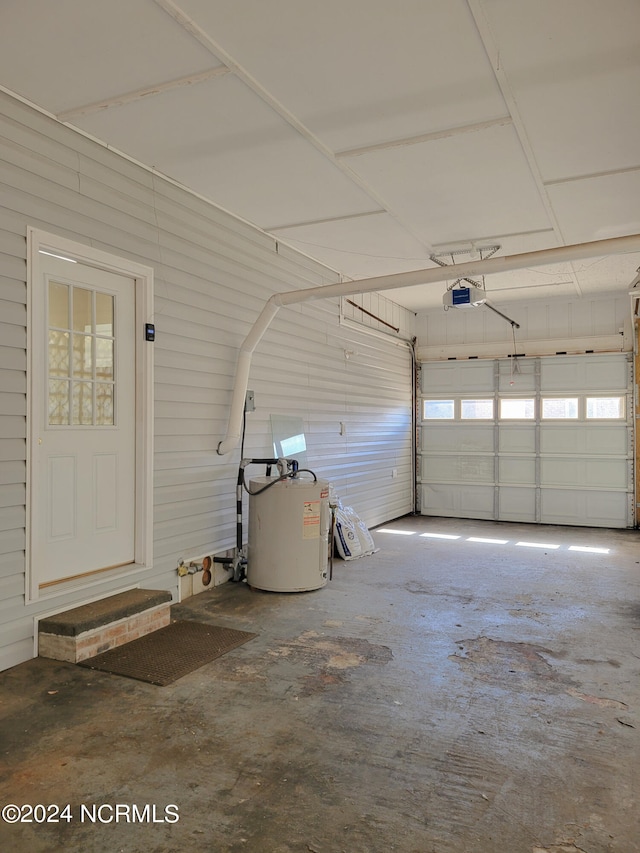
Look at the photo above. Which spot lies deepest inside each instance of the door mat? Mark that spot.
(169, 653)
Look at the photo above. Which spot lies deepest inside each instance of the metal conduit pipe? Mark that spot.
(470, 269)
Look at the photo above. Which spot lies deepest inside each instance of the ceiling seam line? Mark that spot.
(326, 220)
(423, 138)
(592, 175)
(492, 238)
(139, 94)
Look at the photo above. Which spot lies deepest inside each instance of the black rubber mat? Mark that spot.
(169, 653)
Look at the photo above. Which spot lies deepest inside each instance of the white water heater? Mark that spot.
(289, 523)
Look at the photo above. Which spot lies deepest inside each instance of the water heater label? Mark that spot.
(311, 520)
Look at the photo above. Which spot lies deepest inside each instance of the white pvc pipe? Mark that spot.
(560, 254)
(242, 374)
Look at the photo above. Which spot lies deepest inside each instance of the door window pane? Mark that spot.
(104, 314)
(605, 407)
(104, 404)
(82, 403)
(438, 410)
(58, 353)
(104, 358)
(560, 408)
(517, 409)
(58, 401)
(476, 409)
(82, 310)
(58, 305)
(82, 356)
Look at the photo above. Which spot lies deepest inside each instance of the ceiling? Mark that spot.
(369, 134)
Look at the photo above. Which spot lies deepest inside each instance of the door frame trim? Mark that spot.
(38, 240)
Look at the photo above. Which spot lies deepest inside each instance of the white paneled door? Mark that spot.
(546, 440)
(83, 416)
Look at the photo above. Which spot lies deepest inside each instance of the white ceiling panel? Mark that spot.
(69, 53)
(599, 275)
(574, 69)
(364, 72)
(220, 137)
(361, 246)
(598, 208)
(474, 183)
(553, 280)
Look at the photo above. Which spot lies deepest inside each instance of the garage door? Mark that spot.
(547, 440)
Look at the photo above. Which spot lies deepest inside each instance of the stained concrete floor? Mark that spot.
(440, 696)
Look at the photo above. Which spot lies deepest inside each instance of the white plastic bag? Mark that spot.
(366, 539)
(351, 535)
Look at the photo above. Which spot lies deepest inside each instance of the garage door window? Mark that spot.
(605, 407)
(559, 408)
(476, 410)
(524, 410)
(438, 410)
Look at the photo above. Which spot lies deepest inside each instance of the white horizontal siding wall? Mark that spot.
(213, 274)
(375, 311)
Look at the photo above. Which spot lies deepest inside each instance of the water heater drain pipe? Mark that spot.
(470, 269)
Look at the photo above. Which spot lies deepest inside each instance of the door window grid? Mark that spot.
(81, 353)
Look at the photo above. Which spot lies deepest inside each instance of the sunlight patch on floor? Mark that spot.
(488, 541)
(549, 546)
(440, 536)
(587, 550)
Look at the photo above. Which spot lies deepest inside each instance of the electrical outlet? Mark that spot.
(250, 402)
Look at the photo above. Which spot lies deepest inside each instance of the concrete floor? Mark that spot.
(440, 696)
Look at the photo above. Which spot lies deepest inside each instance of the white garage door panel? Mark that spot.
(440, 500)
(517, 439)
(458, 501)
(584, 372)
(603, 440)
(590, 473)
(444, 439)
(524, 381)
(592, 509)
(458, 469)
(587, 440)
(472, 377)
(516, 470)
(577, 471)
(517, 504)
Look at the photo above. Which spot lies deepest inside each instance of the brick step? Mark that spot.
(91, 629)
